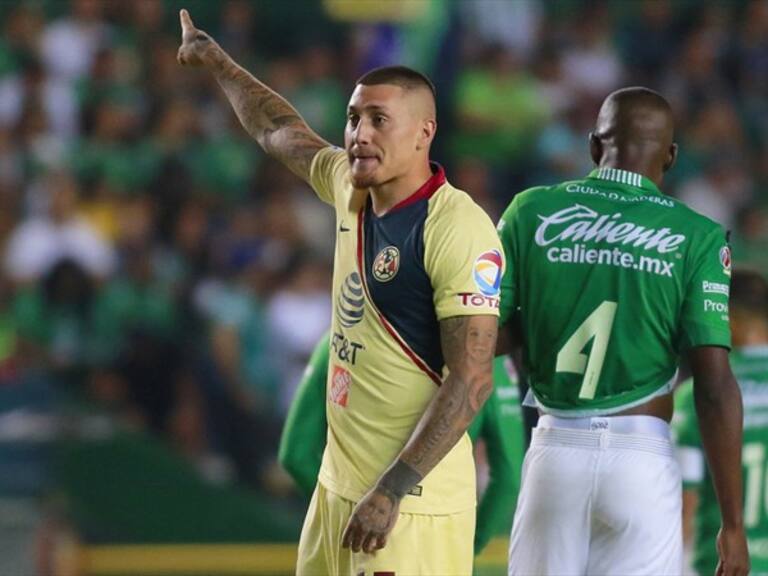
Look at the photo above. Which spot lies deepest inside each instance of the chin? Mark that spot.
(363, 180)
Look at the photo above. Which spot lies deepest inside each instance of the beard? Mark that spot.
(363, 180)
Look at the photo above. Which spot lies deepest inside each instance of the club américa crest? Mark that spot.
(386, 264)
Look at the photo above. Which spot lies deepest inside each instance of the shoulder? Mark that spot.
(330, 158)
(695, 221)
(456, 208)
(530, 196)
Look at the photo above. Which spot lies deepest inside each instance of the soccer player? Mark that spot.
(749, 358)
(416, 293)
(614, 281)
(499, 424)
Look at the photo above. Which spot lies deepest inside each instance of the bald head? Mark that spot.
(635, 131)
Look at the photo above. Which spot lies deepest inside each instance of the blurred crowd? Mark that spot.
(158, 269)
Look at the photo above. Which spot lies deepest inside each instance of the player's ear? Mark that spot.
(671, 157)
(427, 134)
(595, 148)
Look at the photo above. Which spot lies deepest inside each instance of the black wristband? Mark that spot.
(399, 479)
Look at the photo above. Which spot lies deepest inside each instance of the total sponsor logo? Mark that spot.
(345, 349)
(487, 272)
(475, 300)
(341, 382)
(715, 288)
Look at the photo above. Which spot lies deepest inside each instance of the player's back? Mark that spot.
(613, 279)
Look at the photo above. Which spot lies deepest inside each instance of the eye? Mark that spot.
(353, 119)
(379, 119)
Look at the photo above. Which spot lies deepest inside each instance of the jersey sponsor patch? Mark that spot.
(475, 300)
(715, 288)
(725, 259)
(341, 381)
(350, 305)
(716, 307)
(345, 348)
(487, 272)
(579, 223)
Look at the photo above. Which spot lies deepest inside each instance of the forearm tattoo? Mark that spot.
(267, 116)
(468, 346)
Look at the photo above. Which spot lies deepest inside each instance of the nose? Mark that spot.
(362, 132)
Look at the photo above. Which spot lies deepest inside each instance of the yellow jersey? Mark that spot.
(396, 276)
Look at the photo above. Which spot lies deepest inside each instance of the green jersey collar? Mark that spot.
(624, 177)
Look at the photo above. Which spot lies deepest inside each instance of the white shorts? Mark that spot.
(599, 496)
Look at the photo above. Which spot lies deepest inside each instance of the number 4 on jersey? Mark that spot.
(571, 358)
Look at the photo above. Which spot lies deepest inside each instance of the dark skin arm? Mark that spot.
(719, 410)
(266, 116)
(468, 344)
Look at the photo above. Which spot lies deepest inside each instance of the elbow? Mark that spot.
(717, 394)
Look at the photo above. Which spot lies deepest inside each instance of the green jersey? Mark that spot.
(499, 424)
(613, 280)
(750, 366)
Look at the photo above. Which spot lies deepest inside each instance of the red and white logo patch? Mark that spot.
(725, 259)
(341, 380)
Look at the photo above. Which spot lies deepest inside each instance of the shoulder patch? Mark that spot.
(487, 272)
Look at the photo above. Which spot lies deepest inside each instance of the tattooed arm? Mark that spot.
(267, 116)
(468, 343)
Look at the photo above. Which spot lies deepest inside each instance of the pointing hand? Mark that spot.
(195, 44)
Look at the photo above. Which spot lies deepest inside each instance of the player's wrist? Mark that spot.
(733, 524)
(398, 480)
(215, 58)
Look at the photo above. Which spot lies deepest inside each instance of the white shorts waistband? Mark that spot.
(646, 433)
(646, 425)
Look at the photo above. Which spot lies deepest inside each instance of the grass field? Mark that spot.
(224, 560)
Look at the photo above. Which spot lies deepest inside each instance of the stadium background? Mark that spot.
(163, 282)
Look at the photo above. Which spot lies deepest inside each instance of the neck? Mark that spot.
(391, 193)
(751, 334)
(612, 159)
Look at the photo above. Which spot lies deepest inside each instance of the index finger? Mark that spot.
(186, 21)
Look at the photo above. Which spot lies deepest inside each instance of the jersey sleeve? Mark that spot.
(704, 320)
(303, 439)
(463, 258)
(328, 172)
(505, 230)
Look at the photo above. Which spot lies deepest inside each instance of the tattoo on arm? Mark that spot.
(468, 348)
(268, 117)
